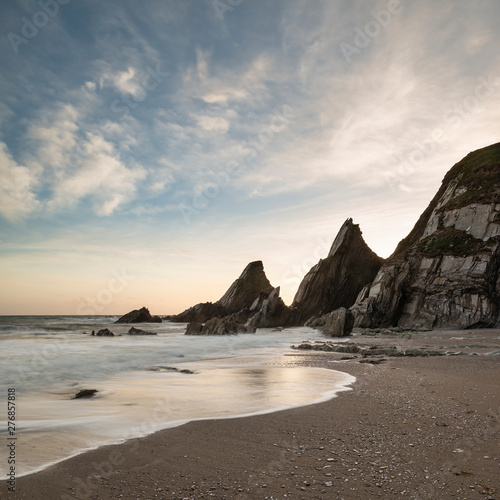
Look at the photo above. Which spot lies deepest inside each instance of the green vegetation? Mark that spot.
(479, 174)
(451, 241)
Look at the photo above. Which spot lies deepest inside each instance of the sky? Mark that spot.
(150, 150)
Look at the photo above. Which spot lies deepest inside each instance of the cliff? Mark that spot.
(446, 272)
(337, 280)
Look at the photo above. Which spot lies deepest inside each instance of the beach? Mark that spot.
(411, 427)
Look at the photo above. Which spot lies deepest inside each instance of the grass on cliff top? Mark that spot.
(451, 241)
(479, 174)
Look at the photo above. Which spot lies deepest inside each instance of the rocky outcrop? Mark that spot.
(139, 316)
(138, 331)
(103, 333)
(446, 272)
(271, 312)
(251, 285)
(337, 280)
(338, 323)
(218, 326)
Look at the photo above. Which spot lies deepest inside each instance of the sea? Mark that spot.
(144, 383)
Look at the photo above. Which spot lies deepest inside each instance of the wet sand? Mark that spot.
(412, 427)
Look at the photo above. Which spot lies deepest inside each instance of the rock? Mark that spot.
(85, 393)
(171, 369)
(446, 272)
(251, 285)
(271, 312)
(218, 326)
(337, 280)
(103, 333)
(138, 331)
(338, 323)
(139, 316)
(194, 328)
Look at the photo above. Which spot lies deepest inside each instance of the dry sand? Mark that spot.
(423, 428)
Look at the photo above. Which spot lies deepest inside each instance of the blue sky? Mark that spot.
(150, 150)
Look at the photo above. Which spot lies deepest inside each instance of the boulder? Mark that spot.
(85, 393)
(446, 272)
(103, 333)
(138, 331)
(338, 323)
(139, 316)
(194, 328)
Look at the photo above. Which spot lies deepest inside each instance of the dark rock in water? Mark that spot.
(337, 280)
(172, 369)
(85, 393)
(138, 331)
(218, 326)
(446, 272)
(338, 323)
(103, 333)
(194, 328)
(139, 316)
(240, 295)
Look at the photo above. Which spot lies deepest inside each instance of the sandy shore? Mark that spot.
(423, 427)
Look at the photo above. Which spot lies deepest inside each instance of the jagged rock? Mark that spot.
(219, 326)
(337, 280)
(338, 323)
(271, 311)
(446, 272)
(85, 393)
(251, 285)
(138, 331)
(103, 333)
(139, 316)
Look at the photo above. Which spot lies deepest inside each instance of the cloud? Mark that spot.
(56, 135)
(17, 198)
(102, 178)
(213, 123)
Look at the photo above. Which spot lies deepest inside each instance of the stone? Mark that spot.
(139, 316)
(338, 323)
(194, 328)
(103, 333)
(138, 331)
(85, 393)
(446, 272)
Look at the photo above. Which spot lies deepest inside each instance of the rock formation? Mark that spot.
(139, 316)
(338, 323)
(251, 285)
(337, 280)
(138, 331)
(103, 333)
(446, 272)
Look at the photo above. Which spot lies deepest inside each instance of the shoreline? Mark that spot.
(415, 427)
